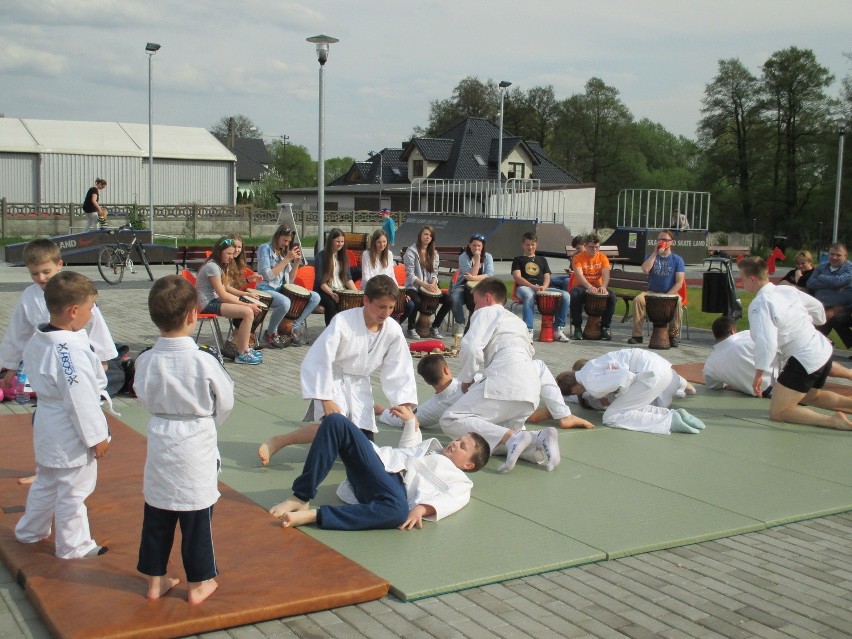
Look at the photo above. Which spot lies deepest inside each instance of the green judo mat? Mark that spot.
(616, 492)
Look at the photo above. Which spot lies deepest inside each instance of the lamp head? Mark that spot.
(151, 48)
(504, 84)
(322, 42)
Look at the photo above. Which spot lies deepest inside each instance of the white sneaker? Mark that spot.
(559, 335)
(434, 332)
(412, 334)
(530, 331)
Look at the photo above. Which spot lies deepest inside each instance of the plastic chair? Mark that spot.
(399, 274)
(206, 317)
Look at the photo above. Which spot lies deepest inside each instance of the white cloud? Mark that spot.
(16, 58)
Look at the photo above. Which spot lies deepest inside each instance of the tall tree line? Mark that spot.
(765, 147)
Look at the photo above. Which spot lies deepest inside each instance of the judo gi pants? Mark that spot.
(383, 502)
(196, 546)
(60, 492)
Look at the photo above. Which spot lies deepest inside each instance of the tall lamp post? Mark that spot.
(151, 48)
(322, 42)
(381, 174)
(504, 84)
(841, 125)
(284, 139)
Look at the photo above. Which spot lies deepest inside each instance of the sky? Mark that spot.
(86, 60)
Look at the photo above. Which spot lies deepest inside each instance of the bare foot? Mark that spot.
(158, 586)
(573, 421)
(840, 422)
(689, 390)
(268, 448)
(540, 414)
(298, 518)
(291, 505)
(201, 590)
(26, 480)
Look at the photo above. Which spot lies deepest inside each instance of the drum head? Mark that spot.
(295, 288)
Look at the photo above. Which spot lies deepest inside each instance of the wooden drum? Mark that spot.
(347, 299)
(429, 303)
(595, 307)
(469, 302)
(299, 297)
(548, 304)
(661, 311)
(399, 309)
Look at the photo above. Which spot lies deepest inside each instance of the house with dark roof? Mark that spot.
(252, 161)
(456, 173)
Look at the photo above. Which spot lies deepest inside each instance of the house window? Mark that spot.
(418, 168)
(516, 170)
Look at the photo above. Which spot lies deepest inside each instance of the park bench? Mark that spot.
(611, 251)
(735, 252)
(448, 259)
(632, 283)
(191, 258)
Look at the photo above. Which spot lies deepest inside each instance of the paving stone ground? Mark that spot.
(789, 581)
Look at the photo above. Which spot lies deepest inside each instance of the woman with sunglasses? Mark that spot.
(278, 260)
(332, 272)
(421, 272)
(213, 297)
(474, 264)
(240, 280)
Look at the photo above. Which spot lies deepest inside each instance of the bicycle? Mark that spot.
(115, 258)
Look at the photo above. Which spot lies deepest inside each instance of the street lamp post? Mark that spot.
(381, 174)
(151, 48)
(504, 84)
(284, 139)
(841, 125)
(322, 42)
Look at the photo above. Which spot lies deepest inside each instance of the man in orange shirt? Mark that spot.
(591, 275)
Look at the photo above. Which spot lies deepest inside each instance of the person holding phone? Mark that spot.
(666, 272)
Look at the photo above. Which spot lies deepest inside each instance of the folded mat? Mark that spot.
(267, 572)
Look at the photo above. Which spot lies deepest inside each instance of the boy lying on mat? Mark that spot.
(386, 487)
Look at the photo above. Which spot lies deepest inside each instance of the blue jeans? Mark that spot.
(383, 502)
(457, 294)
(527, 297)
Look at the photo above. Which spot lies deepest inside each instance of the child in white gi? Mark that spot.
(782, 320)
(188, 394)
(336, 371)
(69, 429)
(498, 345)
(386, 487)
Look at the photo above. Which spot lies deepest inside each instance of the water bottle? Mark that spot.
(22, 396)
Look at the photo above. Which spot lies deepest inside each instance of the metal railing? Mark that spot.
(657, 208)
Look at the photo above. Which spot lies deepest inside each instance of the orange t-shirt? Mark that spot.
(592, 268)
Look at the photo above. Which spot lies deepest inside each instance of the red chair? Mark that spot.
(399, 274)
(206, 317)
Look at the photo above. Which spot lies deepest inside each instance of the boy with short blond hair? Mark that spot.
(69, 429)
(43, 260)
(182, 466)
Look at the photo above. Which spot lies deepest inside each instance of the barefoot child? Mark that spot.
(69, 429)
(386, 487)
(188, 394)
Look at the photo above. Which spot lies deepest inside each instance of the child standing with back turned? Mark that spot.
(188, 394)
(69, 429)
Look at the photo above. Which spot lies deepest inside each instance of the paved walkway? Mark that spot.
(789, 581)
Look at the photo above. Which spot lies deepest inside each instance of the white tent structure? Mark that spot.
(53, 161)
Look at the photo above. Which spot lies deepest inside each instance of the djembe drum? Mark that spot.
(595, 306)
(299, 297)
(399, 309)
(548, 304)
(348, 298)
(661, 311)
(429, 303)
(469, 302)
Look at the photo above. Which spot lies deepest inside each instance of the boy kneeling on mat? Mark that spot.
(386, 487)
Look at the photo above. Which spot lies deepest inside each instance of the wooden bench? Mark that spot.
(633, 282)
(448, 259)
(610, 251)
(735, 252)
(191, 258)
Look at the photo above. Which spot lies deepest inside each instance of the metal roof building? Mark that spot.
(53, 161)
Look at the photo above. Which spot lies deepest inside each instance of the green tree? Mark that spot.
(242, 126)
(335, 167)
(293, 164)
(795, 84)
(471, 98)
(670, 160)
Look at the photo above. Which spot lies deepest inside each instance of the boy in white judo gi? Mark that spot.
(69, 429)
(435, 371)
(385, 487)
(731, 363)
(188, 394)
(638, 387)
(43, 259)
(782, 320)
(498, 345)
(336, 371)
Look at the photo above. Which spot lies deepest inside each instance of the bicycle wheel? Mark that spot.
(141, 250)
(111, 262)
